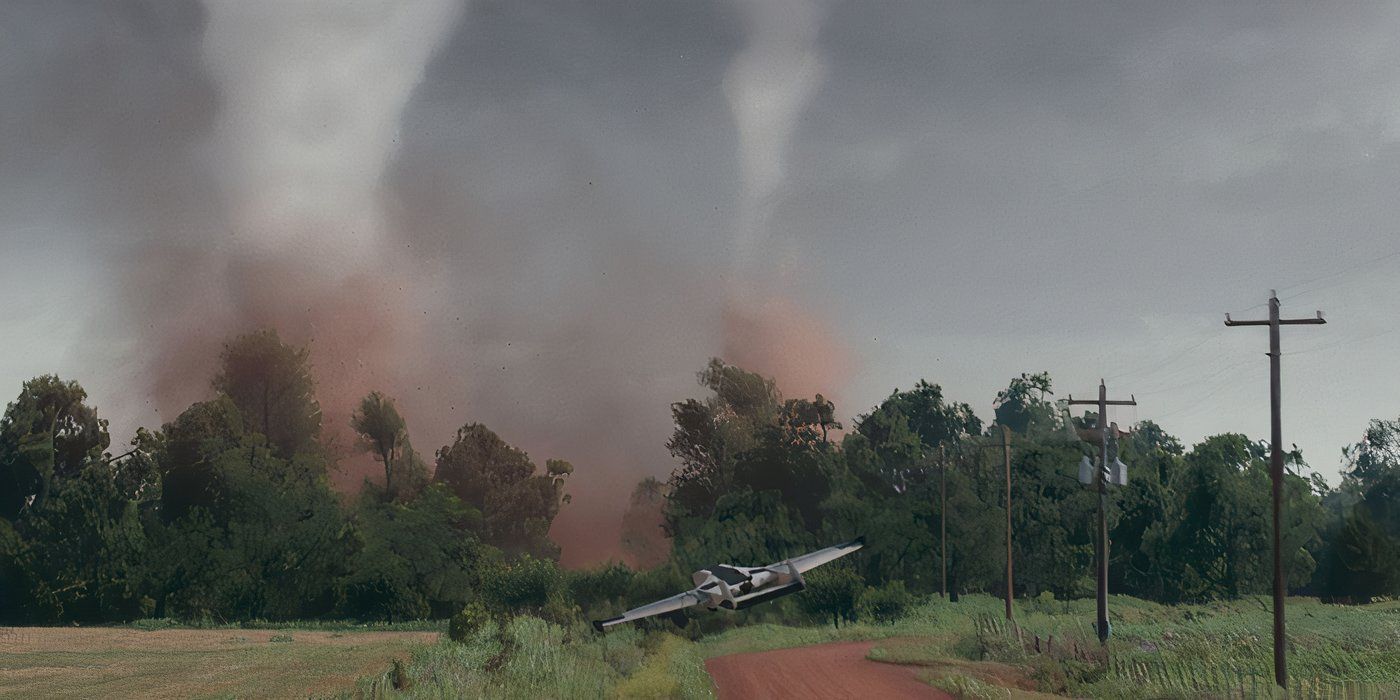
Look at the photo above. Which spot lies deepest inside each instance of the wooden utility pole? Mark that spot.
(943, 517)
(1101, 621)
(1010, 573)
(1276, 470)
(1010, 578)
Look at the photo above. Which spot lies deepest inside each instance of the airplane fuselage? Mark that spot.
(735, 587)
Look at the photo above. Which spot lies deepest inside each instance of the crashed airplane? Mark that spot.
(736, 587)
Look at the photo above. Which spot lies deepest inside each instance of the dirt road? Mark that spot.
(823, 672)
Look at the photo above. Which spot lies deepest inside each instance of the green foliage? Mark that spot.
(382, 431)
(472, 617)
(601, 591)
(226, 513)
(415, 559)
(833, 592)
(84, 552)
(1022, 405)
(527, 586)
(886, 603)
(47, 434)
(498, 480)
(270, 383)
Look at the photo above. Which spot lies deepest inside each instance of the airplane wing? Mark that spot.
(661, 607)
(807, 562)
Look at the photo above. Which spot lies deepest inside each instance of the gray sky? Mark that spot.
(545, 216)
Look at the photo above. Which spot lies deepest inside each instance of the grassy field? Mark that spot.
(1207, 651)
(46, 662)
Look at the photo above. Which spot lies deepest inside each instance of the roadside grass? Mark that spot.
(532, 658)
(1216, 650)
(1220, 649)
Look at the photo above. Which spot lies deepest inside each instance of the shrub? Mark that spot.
(594, 588)
(833, 593)
(885, 604)
(467, 621)
(523, 585)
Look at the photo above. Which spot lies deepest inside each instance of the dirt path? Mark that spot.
(823, 672)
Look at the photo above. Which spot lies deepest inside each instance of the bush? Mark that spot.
(467, 621)
(885, 604)
(594, 589)
(833, 593)
(526, 584)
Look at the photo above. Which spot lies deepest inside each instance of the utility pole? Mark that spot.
(1101, 622)
(1010, 579)
(1006, 454)
(1276, 469)
(943, 517)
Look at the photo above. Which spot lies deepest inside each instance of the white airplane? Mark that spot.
(737, 587)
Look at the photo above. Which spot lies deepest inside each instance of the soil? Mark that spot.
(822, 672)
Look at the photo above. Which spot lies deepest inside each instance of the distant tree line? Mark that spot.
(226, 512)
(761, 477)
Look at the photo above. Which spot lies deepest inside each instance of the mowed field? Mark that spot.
(45, 662)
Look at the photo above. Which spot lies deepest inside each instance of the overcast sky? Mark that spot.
(569, 201)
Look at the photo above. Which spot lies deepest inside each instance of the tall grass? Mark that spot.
(1218, 650)
(532, 658)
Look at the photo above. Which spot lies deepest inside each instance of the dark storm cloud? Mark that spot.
(104, 105)
(567, 174)
(971, 190)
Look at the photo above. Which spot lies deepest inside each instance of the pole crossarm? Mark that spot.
(1092, 402)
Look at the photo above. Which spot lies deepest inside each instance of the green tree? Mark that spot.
(87, 551)
(271, 543)
(270, 383)
(1362, 556)
(517, 505)
(1022, 405)
(47, 434)
(417, 560)
(184, 450)
(383, 431)
(711, 433)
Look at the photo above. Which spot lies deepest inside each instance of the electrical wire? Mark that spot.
(1348, 341)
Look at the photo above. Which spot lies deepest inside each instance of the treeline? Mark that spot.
(762, 477)
(227, 513)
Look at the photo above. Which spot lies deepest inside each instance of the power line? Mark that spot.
(1138, 372)
(1354, 268)
(1353, 341)
(1161, 389)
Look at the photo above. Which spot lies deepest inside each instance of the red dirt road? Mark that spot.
(822, 672)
